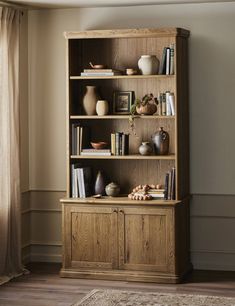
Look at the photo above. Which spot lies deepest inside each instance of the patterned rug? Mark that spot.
(129, 298)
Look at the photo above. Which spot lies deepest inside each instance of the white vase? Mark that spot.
(148, 64)
(102, 107)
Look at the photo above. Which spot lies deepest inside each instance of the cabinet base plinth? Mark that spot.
(137, 276)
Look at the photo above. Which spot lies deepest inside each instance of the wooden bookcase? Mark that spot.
(118, 238)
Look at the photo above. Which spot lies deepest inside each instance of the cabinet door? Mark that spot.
(90, 237)
(146, 239)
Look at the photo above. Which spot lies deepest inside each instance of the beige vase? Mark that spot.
(89, 100)
(102, 107)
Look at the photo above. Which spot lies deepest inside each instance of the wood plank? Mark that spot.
(120, 33)
(132, 157)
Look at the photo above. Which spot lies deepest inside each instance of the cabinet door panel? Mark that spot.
(93, 241)
(146, 239)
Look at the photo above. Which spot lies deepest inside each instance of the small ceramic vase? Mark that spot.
(89, 100)
(102, 107)
(100, 183)
(112, 189)
(145, 148)
(148, 64)
(161, 142)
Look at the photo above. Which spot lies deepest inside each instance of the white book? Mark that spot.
(83, 194)
(172, 103)
(73, 181)
(79, 182)
(168, 106)
(75, 184)
(168, 54)
(172, 56)
(100, 73)
(96, 153)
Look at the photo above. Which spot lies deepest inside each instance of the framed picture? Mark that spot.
(122, 101)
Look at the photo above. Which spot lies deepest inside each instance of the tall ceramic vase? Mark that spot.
(100, 183)
(89, 100)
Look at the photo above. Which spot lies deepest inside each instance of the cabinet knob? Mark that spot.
(115, 210)
(121, 211)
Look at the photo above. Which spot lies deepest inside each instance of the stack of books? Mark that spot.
(169, 193)
(100, 72)
(167, 62)
(81, 181)
(105, 152)
(119, 143)
(156, 194)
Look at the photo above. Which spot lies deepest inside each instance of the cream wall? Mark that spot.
(212, 79)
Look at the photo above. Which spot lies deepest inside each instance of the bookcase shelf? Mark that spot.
(160, 77)
(120, 238)
(131, 157)
(127, 117)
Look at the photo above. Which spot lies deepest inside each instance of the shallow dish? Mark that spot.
(99, 145)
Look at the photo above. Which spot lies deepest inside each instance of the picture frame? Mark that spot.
(122, 101)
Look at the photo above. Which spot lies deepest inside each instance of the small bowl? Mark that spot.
(99, 145)
(97, 66)
(130, 71)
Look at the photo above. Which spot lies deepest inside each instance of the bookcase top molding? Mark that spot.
(126, 33)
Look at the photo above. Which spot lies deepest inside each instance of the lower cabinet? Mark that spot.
(125, 243)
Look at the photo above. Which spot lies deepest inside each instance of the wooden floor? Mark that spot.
(44, 287)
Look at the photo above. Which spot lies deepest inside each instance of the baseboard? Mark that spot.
(39, 257)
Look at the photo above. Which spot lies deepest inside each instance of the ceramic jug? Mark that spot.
(161, 142)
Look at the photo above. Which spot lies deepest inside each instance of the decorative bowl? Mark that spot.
(99, 145)
(97, 66)
(130, 71)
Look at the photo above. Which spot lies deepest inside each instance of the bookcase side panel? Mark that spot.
(182, 140)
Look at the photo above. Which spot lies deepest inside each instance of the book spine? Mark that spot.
(163, 104)
(167, 61)
(172, 103)
(123, 144)
(162, 68)
(73, 139)
(168, 106)
(120, 143)
(166, 186)
(78, 128)
(172, 55)
(173, 184)
(169, 185)
(117, 143)
(113, 144)
(73, 181)
(78, 171)
(126, 145)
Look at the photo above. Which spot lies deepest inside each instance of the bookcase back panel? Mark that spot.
(131, 173)
(100, 130)
(106, 89)
(117, 53)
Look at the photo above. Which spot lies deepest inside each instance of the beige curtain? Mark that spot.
(10, 242)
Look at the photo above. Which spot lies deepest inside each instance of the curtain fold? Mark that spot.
(10, 209)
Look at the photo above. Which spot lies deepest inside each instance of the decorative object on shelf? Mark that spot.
(122, 101)
(131, 71)
(89, 100)
(146, 106)
(112, 189)
(147, 192)
(97, 66)
(145, 148)
(148, 64)
(161, 142)
(102, 107)
(99, 145)
(99, 187)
